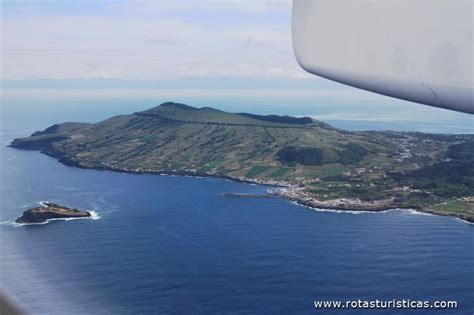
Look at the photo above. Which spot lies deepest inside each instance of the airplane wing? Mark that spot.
(418, 50)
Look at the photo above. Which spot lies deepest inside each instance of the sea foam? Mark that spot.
(94, 216)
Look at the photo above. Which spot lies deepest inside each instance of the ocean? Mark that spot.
(175, 245)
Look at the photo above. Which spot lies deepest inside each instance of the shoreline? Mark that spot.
(375, 211)
(50, 211)
(300, 202)
(94, 216)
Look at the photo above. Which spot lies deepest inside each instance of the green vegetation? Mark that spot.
(452, 177)
(281, 119)
(332, 171)
(256, 170)
(293, 155)
(455, 205)
(381, 169)
(279, 172)
(353, 153)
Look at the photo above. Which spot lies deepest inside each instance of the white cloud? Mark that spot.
(85, 94)
(210, 5)
(150, 43)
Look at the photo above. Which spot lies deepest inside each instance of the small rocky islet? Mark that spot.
(48, 211)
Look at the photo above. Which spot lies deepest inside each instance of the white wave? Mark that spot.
(26, 224)
(43, 203)
(415, 212)
(406, 211)
(94, 215)
(99, 203)
(464, 221)
(336, 210)
(13, 223)
(190, 176)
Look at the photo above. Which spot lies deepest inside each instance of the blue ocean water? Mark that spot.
(175, 245)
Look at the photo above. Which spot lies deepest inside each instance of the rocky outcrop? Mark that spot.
(50, 211)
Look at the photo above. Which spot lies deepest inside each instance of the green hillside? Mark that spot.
(373, 169)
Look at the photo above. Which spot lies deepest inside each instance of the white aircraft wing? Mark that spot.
(417, 50)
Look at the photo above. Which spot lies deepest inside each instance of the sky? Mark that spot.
(231, 54)
(147, 39)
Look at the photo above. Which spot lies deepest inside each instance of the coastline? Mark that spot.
(299, 201)
(380, 210)
(94, 216)
(50, 211)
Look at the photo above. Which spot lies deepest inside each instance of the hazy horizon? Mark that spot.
(232, 55)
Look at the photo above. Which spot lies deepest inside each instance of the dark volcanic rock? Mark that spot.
(50, 211)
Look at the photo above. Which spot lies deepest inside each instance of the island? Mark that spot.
(310, 162)
(49, 211)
